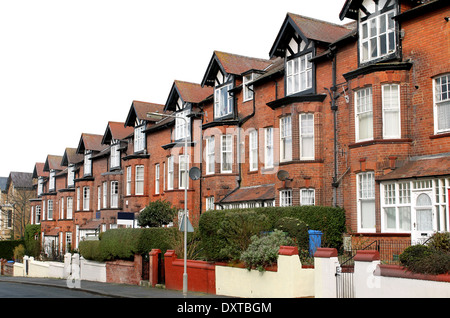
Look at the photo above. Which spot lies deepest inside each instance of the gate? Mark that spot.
(145, 266)
(344, 281)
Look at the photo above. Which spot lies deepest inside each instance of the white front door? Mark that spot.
(423, 217)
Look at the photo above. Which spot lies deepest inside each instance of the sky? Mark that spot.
(68, 67)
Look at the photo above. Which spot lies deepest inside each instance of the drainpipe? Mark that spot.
(334, 108)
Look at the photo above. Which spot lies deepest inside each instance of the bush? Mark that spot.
(32, 240)
(295, 229)
(157, 214)
(19, 253)
(126, 242)
(263, 251)
(226, 233)
(7, 248)
(433, 258)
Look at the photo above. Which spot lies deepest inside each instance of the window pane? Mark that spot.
(368, 214)
(404, 218)
(390, 218)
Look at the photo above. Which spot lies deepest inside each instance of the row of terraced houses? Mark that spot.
(354, 115)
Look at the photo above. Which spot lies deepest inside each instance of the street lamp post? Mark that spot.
(158, 116)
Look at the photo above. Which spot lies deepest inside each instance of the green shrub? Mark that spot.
(124, 243)
(263, 251)
(19, 253)
(156, 214)
(295, 229)
(433, 259)
(440, 241)
(7, 248)
(225, 234)
(32, 240)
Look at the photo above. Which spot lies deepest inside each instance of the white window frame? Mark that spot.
(210, 155)
(157, 177)
(51, 183)
(114, 200)
(365, 185)
(396, 199)
(170, 172)
(286, 197)
(115, 155)
(139, 180)
(61, 214)
(86, 198)
(69, 210)
(181, 121)
(99, 197)
(307, 196)
(226, 153)
(363, 111)
(40, 186)
(105, 194)
(87, 171)
(268, 148)
(391, 107)
(441, 98)
(210, 203)
(128, 180)
(286, 138)
(71, 176)
(248, 92)
(78, 198)
(368, 39)
(253, 150)
(49, 209)
(183, 171)
(306, 132)
(139, 138)
(299, 74)
(38, 215)
(223, 105)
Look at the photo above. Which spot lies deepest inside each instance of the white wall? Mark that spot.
(289, 281)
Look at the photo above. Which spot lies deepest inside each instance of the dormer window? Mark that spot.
(223, 101)
(377, 30)
(181, 130)
(248, 90)
(87, 163)
(299, 74)
(139, 137)
(115, 154)
(51, 183)
(71, 176)
(40, 185)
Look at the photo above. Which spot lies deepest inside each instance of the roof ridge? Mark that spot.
(344, 26)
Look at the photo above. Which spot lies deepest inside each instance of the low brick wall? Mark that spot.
(124, 272)
(201, 275)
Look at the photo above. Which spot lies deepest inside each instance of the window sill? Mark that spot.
(379, 141)
(440, 135)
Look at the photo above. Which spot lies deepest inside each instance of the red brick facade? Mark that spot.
(330, 118)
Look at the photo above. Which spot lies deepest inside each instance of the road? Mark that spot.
(17, 290)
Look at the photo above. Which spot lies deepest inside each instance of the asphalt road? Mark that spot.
(14, 290)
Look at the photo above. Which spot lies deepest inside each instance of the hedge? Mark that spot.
(7, 248)
(216, 245)
(124, 243)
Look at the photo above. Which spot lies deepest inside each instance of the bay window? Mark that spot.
(115, 156)
(364, 114)
(87, 163)
(226, 154)
(253, 150)
(286, 197)
(183, 171)
(170, 172)
(86, 198)
(286, 138)
(139, 182)
(442, 103)
(182, 127)
(268, 147)
(210, 155)
(391, 111)
(306, 136)
(114, 194)
(366, 201)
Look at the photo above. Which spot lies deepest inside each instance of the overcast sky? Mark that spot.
(68, 67)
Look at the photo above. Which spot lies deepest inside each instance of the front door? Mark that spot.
(423, 217)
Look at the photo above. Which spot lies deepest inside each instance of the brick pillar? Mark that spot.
(154, 266)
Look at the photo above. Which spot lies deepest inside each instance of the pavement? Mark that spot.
(108, 289)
